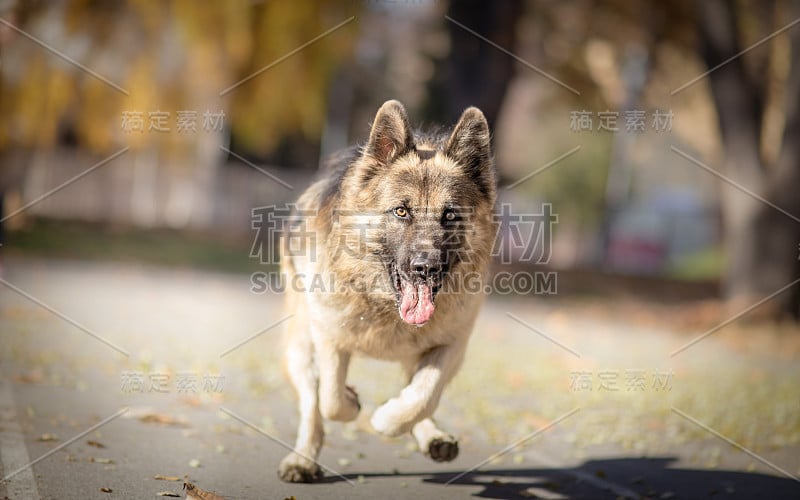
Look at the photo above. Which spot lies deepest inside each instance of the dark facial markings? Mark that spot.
(426, 154)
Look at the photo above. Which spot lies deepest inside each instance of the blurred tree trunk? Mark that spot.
(476, 74)
(761, 242)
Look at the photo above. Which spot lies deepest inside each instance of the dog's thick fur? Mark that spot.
(418, 207)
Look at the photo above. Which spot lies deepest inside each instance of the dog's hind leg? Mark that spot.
(337, 400)
(300, 466)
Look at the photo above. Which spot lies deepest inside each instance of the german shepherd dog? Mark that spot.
(419, 207)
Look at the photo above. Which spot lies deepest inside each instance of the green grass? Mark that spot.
(701, 266)
(162, 247)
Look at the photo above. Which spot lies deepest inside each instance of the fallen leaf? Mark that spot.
(101, 460)
(194, 463)
(106, 490)
(167, 494)
(35, 376)
(48, 437)
(193, 401)
(162, 419)
(166, 478)
(151, 416)
(195, 493)
(95, 444)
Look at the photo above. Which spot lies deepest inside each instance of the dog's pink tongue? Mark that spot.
(416, 303)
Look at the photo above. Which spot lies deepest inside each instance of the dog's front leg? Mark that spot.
(419, 399)
(300, 465)
(337, 400)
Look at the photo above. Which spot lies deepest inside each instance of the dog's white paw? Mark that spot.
(295, 468)
(391, 419)
(443, 448)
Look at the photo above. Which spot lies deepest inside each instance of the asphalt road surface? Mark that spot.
(116, 374)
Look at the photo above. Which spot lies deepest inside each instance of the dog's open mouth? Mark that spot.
(415, 298)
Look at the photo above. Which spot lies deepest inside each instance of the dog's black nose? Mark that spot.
(426, 264)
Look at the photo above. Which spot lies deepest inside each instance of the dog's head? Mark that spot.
(430, 193)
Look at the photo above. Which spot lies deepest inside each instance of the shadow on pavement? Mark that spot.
(612, 478)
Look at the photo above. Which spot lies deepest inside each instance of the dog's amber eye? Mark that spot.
(401, 212)
(449, 215)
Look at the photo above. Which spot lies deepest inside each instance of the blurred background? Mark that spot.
(164, 80)
(137, 138)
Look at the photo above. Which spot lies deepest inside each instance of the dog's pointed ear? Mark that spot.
(391, 134)
(470, 146)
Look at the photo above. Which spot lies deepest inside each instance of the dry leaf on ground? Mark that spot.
(195, 493)
(166, 478)
(151, 416)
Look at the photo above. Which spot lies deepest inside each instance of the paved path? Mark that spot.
(586, 405)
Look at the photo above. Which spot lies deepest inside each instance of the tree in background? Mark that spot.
(181, 54)
(162, 57)
(475, 73)
(755, 119)
(757, 98)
